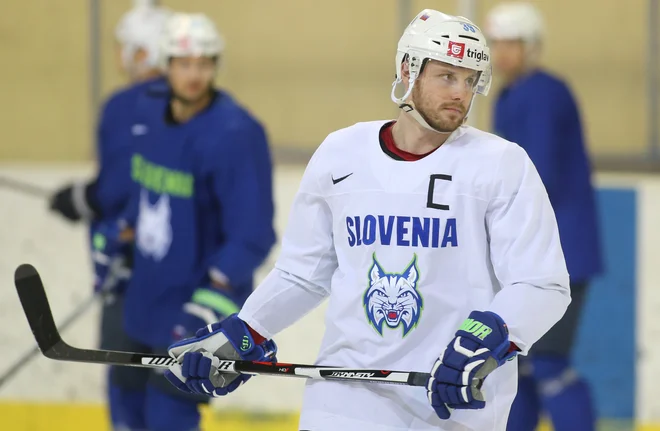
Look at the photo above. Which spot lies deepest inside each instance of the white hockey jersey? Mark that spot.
(405, 251)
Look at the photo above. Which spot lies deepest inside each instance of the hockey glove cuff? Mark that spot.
(207, 305)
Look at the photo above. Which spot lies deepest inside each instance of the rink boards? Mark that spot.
(615, 349)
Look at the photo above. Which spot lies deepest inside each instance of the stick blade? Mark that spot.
(33, 298)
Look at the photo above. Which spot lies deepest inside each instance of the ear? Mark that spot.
(411, 274)
(405, 70)
(163, 201)
(140, 56)
(376, 272)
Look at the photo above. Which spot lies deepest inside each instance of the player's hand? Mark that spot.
(198, 358)
(208, 305)
(112, 256)
(479, 347)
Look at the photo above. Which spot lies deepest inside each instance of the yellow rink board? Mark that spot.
(86, 417)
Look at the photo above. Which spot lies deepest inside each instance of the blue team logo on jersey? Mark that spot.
(392, 298)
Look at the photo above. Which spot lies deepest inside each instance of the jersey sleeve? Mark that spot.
(93, 189)
(113, 152)
(303, 272)
(526, 254)
(543, 133)
(242, 186)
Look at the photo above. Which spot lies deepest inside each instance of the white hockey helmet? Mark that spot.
(190, 35)
(141, 28)
(515, 21)
(454, 40)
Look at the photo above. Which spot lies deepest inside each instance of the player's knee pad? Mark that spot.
(553, 374)
(166, 412)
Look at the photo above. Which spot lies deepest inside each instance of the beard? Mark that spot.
(436, 116)
(192, 100)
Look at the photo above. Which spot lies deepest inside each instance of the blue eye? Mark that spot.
(404, 294)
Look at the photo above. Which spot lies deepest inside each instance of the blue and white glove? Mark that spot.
(112, 258)
(207, 306)
(198, 358)
(480, 346)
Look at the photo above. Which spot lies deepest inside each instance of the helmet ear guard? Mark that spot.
(485, 80)
(415, 68)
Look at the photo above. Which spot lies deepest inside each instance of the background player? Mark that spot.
(537, 110)
(201, 209)
(137, 38)
(101, 200)
(409, 227)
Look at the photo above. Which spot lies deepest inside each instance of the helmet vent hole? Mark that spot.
(468, 37)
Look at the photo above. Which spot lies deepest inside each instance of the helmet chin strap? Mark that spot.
(409, 107)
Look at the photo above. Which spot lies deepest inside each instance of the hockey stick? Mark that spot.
(25, 188)
(29, 355)
(37, 310)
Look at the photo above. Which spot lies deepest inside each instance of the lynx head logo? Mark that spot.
(392, 298)
(154, 231)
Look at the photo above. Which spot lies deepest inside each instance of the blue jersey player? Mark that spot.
(200, 211)
(537, 110)
(101, 200)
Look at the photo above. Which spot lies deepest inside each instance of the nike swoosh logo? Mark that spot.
(139, 129)
(340, 179)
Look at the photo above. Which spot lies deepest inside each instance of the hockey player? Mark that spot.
(101, 200)
(419, 231)
(201, 210)
(538, 111)
(137, 35)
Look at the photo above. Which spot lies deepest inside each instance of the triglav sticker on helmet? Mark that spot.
(477, 55)
(456, 49)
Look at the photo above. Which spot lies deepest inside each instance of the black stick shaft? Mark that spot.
(37, 310)
(25, 188)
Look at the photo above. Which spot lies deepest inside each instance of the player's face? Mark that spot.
(442, 94)
(508, 57)
(191, 77)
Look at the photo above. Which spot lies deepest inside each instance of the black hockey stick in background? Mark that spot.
(24, 188)
(37, 310)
